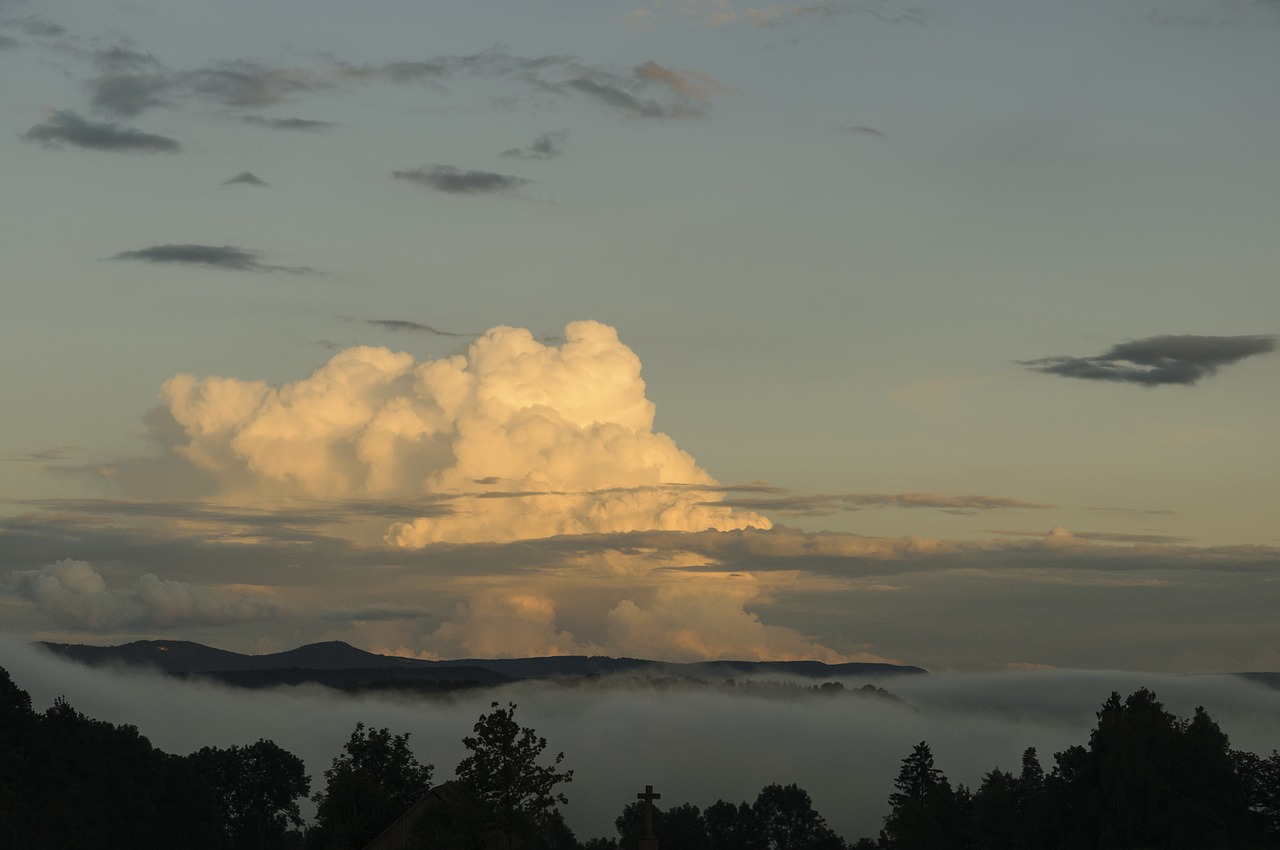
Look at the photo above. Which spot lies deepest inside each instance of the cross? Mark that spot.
(648, 796)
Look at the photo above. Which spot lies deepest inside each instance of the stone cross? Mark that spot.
(648, 796)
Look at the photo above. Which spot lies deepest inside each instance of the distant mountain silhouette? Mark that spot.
(339, 664)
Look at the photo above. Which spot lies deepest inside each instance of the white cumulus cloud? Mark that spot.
(520, 439)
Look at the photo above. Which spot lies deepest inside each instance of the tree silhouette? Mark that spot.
(503, 779)
(1260, 780)
(926, 814)
(787, 820)
(374, 781)
(731, 827)
(257, 787)
(1149, 779)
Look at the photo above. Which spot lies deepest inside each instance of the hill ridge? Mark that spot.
(188, 657)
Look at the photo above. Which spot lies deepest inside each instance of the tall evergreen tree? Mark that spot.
(925, 812)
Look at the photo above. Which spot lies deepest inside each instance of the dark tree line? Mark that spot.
(781, 818)
(71, 782)
(74, 783)
(1145, 780)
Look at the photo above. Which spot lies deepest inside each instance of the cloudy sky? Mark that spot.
(942, 333)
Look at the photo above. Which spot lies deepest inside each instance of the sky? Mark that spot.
(939, 334)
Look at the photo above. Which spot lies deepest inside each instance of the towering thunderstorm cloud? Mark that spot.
(518, 439)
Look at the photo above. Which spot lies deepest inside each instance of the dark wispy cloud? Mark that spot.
(245, 178)
(607, 90)
(49, 455)
(545, 146)
(7, 43)
(36, 26)
(649, 90)
(864, 131)
(212, 256)
(130, 82)
(1173, 359)
(457, 181)
(646, 91)
(66, 127)
(242, 83)
(397, 72)
(303, 124)
(405, 326)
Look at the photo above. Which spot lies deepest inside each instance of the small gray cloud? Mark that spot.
(405, 326)
(245, 178)
(1173, 359)
(66, 127)
(864, 131)
(545, 146)
(213, 256)
(303, 124)
(7, 43)
(457, 181)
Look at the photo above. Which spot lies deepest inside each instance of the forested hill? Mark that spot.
(343, 662)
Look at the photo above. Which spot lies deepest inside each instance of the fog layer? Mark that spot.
(693, 746)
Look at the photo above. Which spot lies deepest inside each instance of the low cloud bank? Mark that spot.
(76, 595)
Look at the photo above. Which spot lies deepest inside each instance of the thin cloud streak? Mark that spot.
(678, 93)
(298, 124)
(457, 181)
(406, 326)
(827, 504)
(212, 256)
